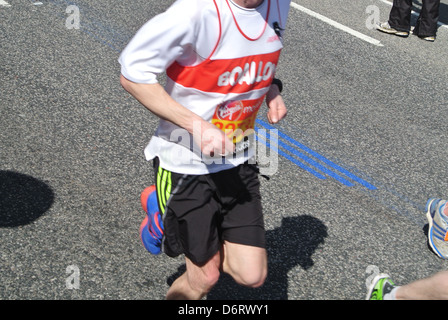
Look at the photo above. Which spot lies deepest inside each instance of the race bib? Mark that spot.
(237, 118)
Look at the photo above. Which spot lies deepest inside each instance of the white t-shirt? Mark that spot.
(220, 60)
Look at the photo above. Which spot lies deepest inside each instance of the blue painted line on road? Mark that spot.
(296, 148)
(295, 153)
(310, 161)
(261, 137)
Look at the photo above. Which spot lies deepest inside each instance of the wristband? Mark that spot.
(279, 84)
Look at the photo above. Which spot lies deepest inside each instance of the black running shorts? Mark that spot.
(201, 211)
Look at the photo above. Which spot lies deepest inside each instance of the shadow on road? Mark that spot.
(290, 245)
(23, 199)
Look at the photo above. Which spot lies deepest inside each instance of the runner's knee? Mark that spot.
(205, 280)
(203, 277)
(246, 264)
(249, 277)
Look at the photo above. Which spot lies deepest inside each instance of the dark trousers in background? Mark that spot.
(400, 17)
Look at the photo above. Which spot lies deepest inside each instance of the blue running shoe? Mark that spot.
(151, 228)
(438, 227)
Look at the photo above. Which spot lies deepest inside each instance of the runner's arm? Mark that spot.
(156, 99)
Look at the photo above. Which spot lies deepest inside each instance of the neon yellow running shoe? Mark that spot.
(380, 286)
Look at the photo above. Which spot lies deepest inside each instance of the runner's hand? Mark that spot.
(212, 140)
(277, 108)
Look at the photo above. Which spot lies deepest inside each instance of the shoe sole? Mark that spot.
(431, 225)
(145, 195)
(146, 237)
(150, 206)
(399, 33)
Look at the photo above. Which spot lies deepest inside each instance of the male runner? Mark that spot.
(220, 58)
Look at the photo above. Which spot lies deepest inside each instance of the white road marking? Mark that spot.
(4, 3)
(336, 24)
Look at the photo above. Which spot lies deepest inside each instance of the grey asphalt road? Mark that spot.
(362, 149)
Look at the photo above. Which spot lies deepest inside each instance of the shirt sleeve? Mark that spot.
(159, 42)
